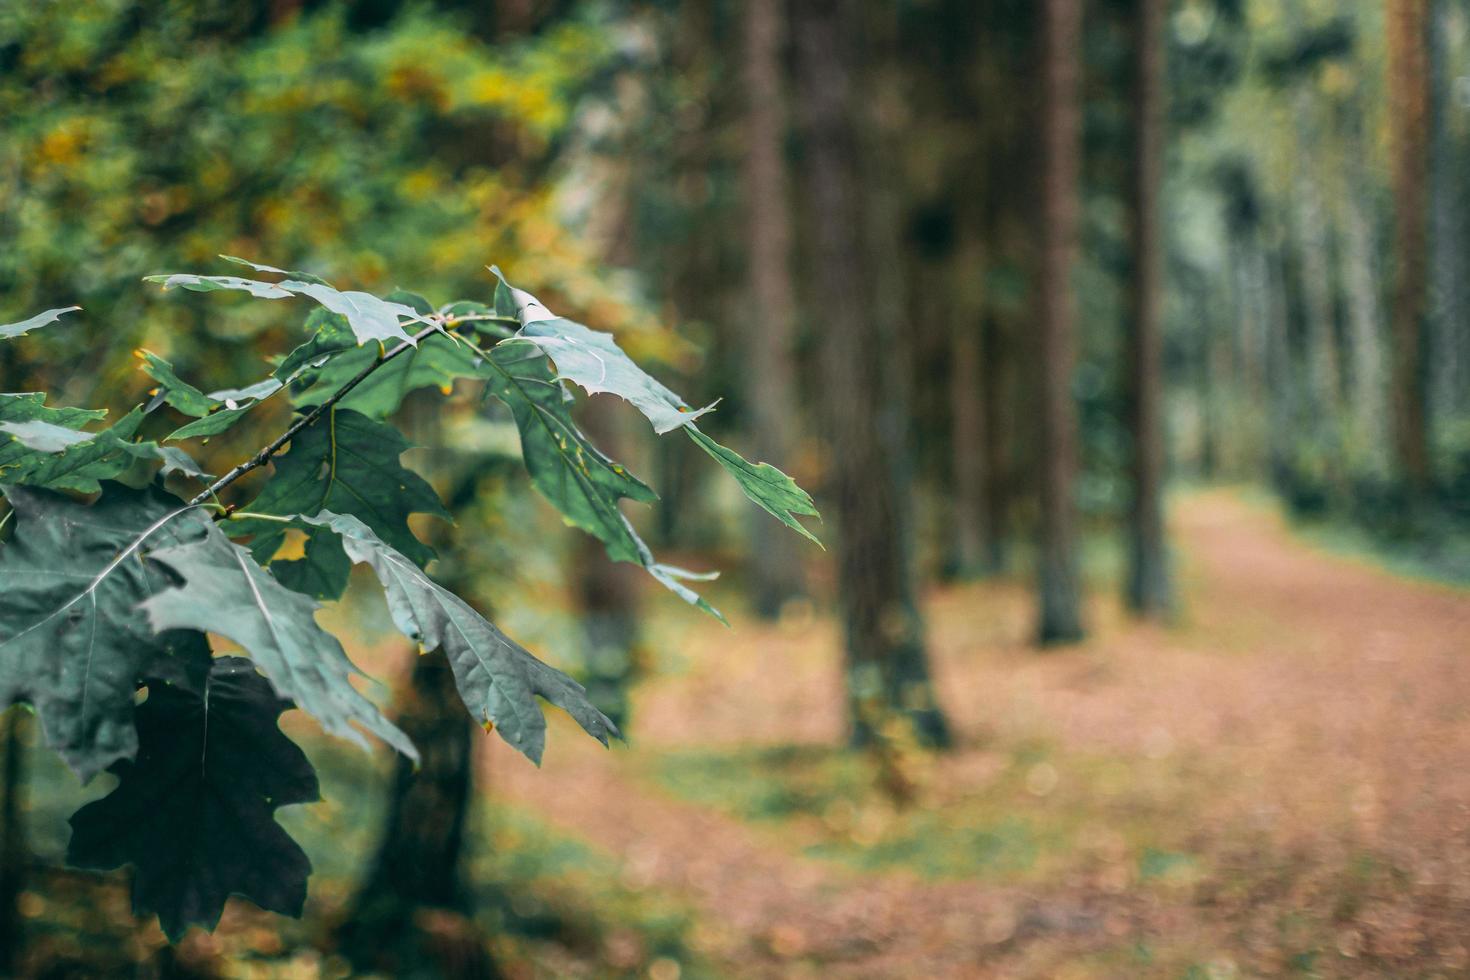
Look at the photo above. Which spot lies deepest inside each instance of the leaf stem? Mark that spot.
(264, 456)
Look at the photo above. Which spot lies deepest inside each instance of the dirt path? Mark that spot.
(1323, 708)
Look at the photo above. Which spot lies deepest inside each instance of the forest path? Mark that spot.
(1299, 738)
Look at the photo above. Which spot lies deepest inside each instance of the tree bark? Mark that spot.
(13, 851)
(1406, 25)
(413, 910)
(887, 668)
(1148, 591)
(1060, 614)
(969, 447)
(770, 369)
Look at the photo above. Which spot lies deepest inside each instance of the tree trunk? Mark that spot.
(770, 370)
(1408, 84)
(1365, 319)
(1148, 591)
(412, 914)
(1449, 387)
(1061, 614)
(968, 448)
(998, 361)
(887, 668)
(13, 851)
(607, 593)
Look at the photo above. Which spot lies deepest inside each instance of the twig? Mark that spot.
(264, 456)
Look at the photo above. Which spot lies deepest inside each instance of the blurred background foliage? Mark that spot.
(602, 152)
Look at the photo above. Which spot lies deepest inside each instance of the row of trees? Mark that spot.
(883, 245)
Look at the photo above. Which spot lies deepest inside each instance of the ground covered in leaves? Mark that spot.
(1275, 786)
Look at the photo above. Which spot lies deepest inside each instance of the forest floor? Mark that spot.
(1274, 785)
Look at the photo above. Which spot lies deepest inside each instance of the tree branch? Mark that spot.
(264, 456)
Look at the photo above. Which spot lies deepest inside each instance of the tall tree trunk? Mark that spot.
(607, 595)
(1061, 613)
(412, 913)
(1365, 321)
(969, 445)
(887, 668)
(13, 851)
(1408, 84)
(1449, 385)
(998, 360)
(770, 369)
(1147, 592)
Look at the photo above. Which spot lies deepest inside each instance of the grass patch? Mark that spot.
(1031, 813)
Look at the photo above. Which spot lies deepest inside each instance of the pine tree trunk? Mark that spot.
(968, 449)
(1148, 591)
(607, 595)
(887, 668)
(1365, 323)
(1408, 84)
(13, 851)
(1449, 386)
(412, 914)
(770, 370)
(1061, 613)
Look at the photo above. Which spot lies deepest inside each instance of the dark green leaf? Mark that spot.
(330, 335)
(582, 483)
(175, 391)
(72, 641)
(497, 678)
(568, 470)
(226, 592)
(79, 467)
(348, 464)
(436, 363)
(195, 813)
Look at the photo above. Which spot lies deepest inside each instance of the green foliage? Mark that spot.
(105, 598)
(224, 591)
(36, 322)
(73, 642)
(497, 678)
(194, 813)
(347, 463)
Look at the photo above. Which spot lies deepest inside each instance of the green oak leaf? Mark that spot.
(594, 360)
(173, 390)
(194, 814)
(8, 330)
(289, 274)
(438, 362)
(31, 407)
(372, 320)
(224, 591)
(72, 641)
(330, 335)
(570, 472)
(213, 413)
(498, 679)
(43, 437)
(775, 492)
(347, 463)
(81, 466)
(564, 466)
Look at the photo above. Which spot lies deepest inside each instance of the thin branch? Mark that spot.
(264, 456)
